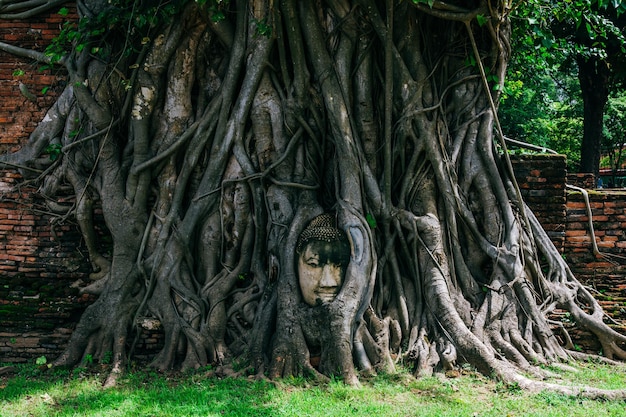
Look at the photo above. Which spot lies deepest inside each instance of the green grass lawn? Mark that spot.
(144, 393)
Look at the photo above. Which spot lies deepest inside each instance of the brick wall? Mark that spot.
(604, 273)
(541, 179)
(563, 214)
(19, 112)
(40, 258)
(41, 254)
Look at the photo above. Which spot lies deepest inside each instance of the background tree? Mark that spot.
(212, 133)
(581, 36)
(613, 138)
(537, 109)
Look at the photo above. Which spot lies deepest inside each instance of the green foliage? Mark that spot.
(54, 151)
(536, 109)
(61, 44)
(574, 27)
(107, 357)
(128, 23)
(123, 19)
(512, 388)
(428, 2)
(614, 132)
(552, 35)
(263, 28)
(215, 8)
(541, 101)
(88, 360)
(481, 19)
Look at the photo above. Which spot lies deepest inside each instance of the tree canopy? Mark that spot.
(557, 40)
(540, 110)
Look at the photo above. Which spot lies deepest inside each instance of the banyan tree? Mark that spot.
(308, 187)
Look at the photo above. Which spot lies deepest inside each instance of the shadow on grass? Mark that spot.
(240, 399)
(144, 394)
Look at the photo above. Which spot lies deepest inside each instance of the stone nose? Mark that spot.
(330, 276)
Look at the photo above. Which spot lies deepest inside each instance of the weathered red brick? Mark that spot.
(8, 257)
(606, 244)
(596, 265)
(571, 233)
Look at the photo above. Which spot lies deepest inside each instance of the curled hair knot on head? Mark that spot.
(322, 228)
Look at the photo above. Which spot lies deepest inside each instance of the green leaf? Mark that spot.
(263, 28)
(217, 16)
(481, 19)
(41, 360)
(54, 151)
(64, 11)
(590, 30)
(470, 61)
(45, 90)
(371, 220)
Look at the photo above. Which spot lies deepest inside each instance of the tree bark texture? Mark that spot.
(215, 133)
(593, 75)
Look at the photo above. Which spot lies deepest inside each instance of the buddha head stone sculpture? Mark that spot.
(323, 256)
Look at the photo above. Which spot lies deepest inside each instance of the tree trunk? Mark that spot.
(310, 187)
(593, 75)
